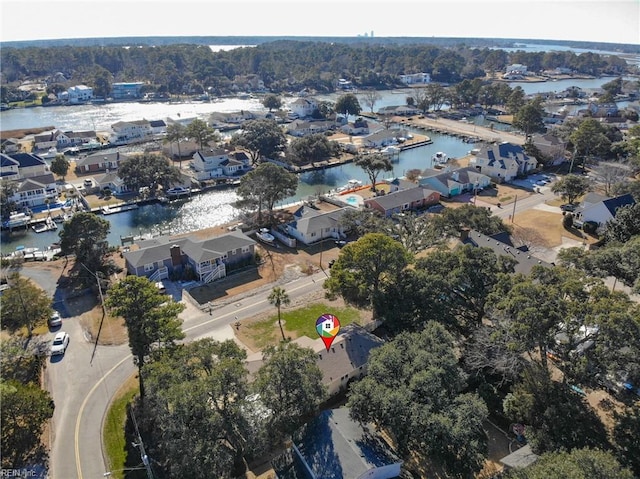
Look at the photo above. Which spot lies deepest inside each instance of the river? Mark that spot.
(215, 207)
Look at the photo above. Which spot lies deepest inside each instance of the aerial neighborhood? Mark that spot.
(328, 260)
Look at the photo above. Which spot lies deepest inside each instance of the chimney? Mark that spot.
(464, 234)
(176, 255)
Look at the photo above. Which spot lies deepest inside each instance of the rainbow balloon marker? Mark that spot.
(328, 327)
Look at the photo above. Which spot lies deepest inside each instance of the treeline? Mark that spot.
(282, 65)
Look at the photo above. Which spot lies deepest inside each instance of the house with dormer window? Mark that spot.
(100, 161)
(303, 107)
(503, 161)
(311, 225)
(219, 163)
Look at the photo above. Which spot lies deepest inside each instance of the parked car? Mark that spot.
(542, 182)
(60, 343)
(55, 320)
(568, 207)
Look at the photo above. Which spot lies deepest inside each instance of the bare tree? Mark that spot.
(371, 97)
(528, 237)
(609, 174)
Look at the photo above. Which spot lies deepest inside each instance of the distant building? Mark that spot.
(416, 79)
(516, 69)
(80, 94)
(126, 91)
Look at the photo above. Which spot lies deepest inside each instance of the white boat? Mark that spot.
(177, 191)
(18, 219)
(391, 152)
(109, 210)
(50, 154)
(48, 225)
(351, 185)
(264, 236)
(440, 158)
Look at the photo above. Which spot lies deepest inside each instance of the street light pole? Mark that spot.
(104, 312)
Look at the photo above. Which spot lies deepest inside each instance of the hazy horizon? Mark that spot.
(615, 21)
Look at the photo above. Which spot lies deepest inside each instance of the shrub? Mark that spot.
(567, 220)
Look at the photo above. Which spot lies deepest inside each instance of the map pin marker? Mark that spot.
(328, 327)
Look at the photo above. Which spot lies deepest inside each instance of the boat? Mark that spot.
(50, 154)
(264, 236)
(17, 220)
(109, 210)
(177, 192)
(391, 152)
(351, 185)
(48, 225)
(439, 158)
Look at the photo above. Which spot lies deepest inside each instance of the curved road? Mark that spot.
(82, 387)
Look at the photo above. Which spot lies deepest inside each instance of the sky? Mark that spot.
(615, 21)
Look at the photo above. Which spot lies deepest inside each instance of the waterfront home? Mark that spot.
(503, 162)
(411, 199)
(209, 259)
(311, 225)
(415, 78)
(35, 191)
(302, 128)
(359, 127)
(399, 110)
(76, 94)
(22, 165)
(44, 141)
(382, 138)
(454, 182)
(600, 209)
(222, 119)
(126, 90)
(333, 445)
(112, 182)
(158, 127)
(100, 162)
(128, 131)
(11, 145)
(303, 107)
(219, 163)
(502, 245)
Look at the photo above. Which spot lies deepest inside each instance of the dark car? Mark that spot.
(568, 207)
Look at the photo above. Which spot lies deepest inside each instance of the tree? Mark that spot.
(26, 408)
(452, 220)
(151, 320)
(577, 464)
(202, 133)
(148, 170)
(624, 225)
(589, 139)
(262, 138)
(176, 132)
(348, 105)
(85, 236)
(272, 102)
(197, 400)
(516, 100)
(625, 433)
(364, 267)
(266, 185)
(290, 386)
(371, 97)
(279, 298)
(23, 305)
(529, 118)
(373, 164)
(611, 174)
(60, 166)
(571, 187)
(436, 96)
(311, 149)
(413, 389)
(7, 190)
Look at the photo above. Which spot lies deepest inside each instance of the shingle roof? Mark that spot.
(613, 204)
(401, 197)
(308, 219)
(26, 160)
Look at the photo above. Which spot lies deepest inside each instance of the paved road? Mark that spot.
(82, 387)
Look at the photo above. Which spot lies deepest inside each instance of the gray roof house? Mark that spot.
(454, 182)
(502, 246)
(157, 258)
(35, 190)
(335, 446)
(101, 161)
(603, 210)
(311, 225)
(410, 199)
(503, 161)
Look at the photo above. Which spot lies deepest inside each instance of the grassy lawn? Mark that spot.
(296, 323)
(113, 433)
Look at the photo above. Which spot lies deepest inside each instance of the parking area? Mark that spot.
(534, 182)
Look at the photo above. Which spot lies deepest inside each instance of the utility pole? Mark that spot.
(140, 444)
(515, 202)
(104, 312)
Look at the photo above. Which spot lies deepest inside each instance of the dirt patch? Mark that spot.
(547, 227)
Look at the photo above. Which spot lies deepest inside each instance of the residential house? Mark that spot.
(311, 225)
(344, 84)
(358, 127)
(516, 69)
(22, 165)
(158, 127)
(552, 147)
(502, 245)
(101, 161)
(333, 445)
(126, 90)
(303, 107)
(454, 182)
(11, 145)
(44, 141)
(503, 162)
(209, 259)
(399, 110)
(411, 199)
(223, 119)
(345, 361)
(76, 138)
(302, 128)
(111, 181)
(128, 131)
(381, 138)
(603, 110)
(220, 163)
(600, 212)
(397, 184)
(79, 94)
(35, 190)
(416, 79)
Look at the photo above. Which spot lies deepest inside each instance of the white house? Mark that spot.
(503, 162)
(310, 226)
(416, 79)
(128, 131)
(303, 107)
(220, 163)
(79, 94)
(516, 69)
(600, 212)
(35, 190)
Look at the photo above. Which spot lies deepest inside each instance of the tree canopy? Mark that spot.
(529, 118)
(262, 138)
(311, 149)
(148, 170)
(571, 187)
(202, 133)
(373, 164)
(23, 305)
(60, 166)
(85, 235)
(348, 104)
